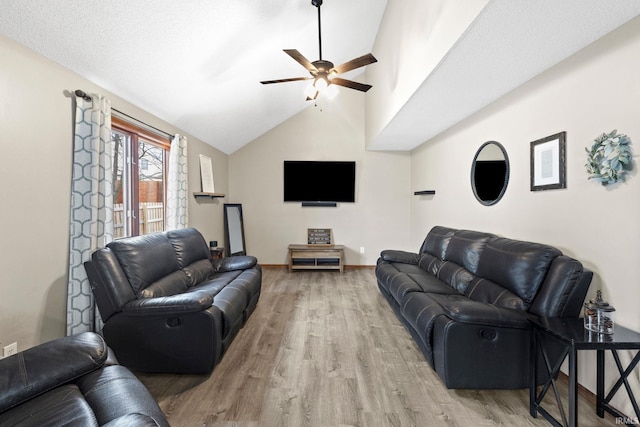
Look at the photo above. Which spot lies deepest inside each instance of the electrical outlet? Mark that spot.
(10, 350)
(361, 249)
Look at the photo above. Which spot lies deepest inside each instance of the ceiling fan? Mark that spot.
(324, 72)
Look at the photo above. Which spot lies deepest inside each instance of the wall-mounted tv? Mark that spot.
(319, 181)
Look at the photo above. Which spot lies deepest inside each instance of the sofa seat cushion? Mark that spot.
(395, 282)
(249, 281)
(432, 285)
(216, 283)
(64, 405)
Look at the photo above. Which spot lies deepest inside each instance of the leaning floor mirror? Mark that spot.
(234, 230)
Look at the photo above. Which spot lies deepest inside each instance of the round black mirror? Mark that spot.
(490, 173)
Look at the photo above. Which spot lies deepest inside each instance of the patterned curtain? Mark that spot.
(91, 225)
(177, 185)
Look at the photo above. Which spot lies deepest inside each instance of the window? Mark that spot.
(139, 181)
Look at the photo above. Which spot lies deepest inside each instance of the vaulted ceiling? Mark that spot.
(197, 64)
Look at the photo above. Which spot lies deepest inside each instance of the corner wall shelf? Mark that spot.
(211, 195)
(423, 192)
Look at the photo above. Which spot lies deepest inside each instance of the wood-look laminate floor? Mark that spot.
(325, 349)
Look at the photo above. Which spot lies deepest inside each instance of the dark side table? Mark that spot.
(573, 337)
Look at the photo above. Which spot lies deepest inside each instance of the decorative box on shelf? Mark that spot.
(319, 236)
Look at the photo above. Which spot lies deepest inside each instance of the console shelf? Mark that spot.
(316, 257)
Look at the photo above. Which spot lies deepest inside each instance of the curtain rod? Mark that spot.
(81, 94)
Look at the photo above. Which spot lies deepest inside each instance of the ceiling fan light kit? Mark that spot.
(323, 73)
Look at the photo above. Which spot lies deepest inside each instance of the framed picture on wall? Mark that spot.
(548, 162)
(206, 174)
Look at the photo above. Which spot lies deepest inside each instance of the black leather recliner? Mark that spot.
(166, 305)
(467, 298)
(73, 381)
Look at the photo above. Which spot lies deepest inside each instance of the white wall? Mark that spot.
(377, 220)
(595, 91)
(36, 125)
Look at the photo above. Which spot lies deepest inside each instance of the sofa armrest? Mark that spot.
(44, 367)
(400, 256)
(238, 262)
(475, 312)
(189, 302)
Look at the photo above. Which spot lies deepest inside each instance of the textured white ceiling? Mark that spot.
(510, 42)
(197, 63)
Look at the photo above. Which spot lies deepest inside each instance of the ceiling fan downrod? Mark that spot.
(318, 3)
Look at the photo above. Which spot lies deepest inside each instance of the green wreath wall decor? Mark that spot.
(609, 159)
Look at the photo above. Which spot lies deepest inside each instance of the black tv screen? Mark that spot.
(319, 181)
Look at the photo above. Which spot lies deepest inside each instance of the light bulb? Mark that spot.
(331, 91)
(321, 84)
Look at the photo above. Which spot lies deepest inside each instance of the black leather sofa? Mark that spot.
(73, 381)
(467, 298)
(166, 305)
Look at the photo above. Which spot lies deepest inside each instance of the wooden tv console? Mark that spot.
(316, 257)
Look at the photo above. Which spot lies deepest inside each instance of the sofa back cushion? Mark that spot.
(455, 276)
(145, 259)
(517, 266)
(189, 245)
(466, 247)
(192, 253)
(453, 255)
(437, 241)
(563, 290)
(173, 284)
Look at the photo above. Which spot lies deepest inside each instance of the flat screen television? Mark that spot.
(319, 181)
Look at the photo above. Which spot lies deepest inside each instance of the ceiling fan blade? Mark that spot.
(351, 84)
(294, 79)
(355, 63)
(301, 60)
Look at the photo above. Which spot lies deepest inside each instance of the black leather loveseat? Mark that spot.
(73, 381)
(466, 298)
(166, 305)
